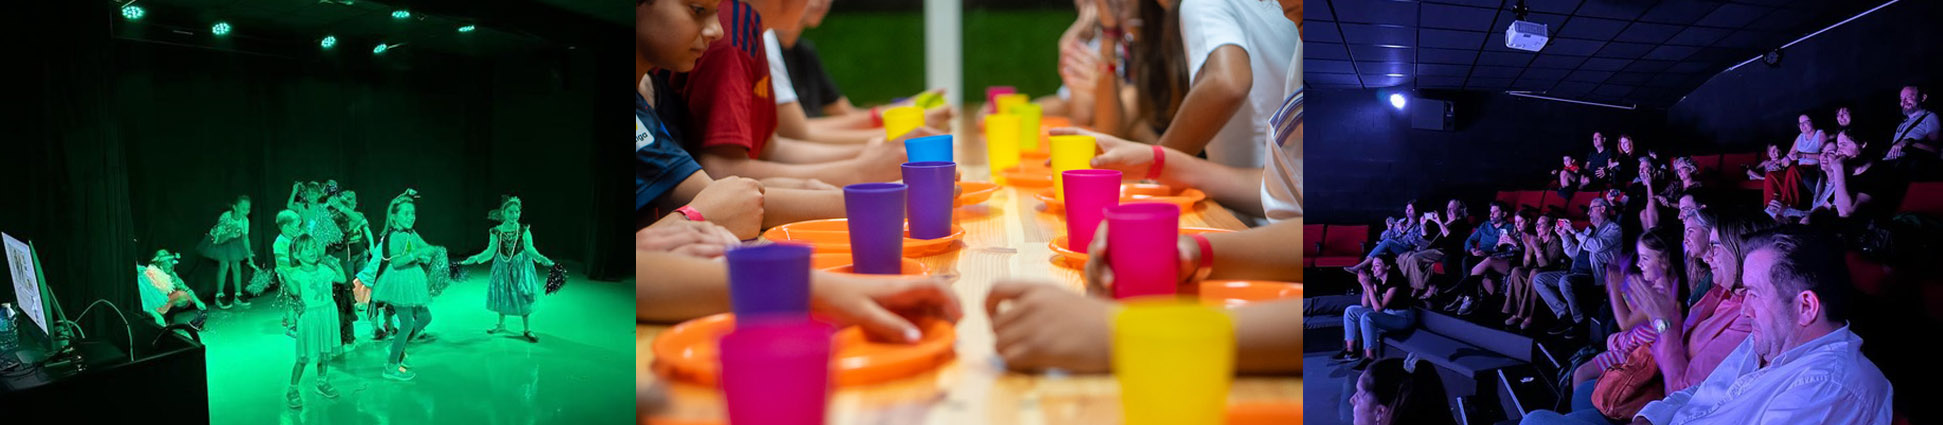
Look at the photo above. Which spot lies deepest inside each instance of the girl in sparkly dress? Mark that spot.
(514, 287)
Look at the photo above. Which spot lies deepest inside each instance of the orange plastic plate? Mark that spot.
(1077, 260)
(1028, 176)
(971, 193)
(1135, 193)
(840, 263)
(688, 352)
(1230, 293)
(1261, 413)
(833, 236)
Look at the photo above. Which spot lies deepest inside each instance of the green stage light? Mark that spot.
(221, 28)
(468, 28)
(380, 49)
(329, 41)
(133, 12)
(401, 14)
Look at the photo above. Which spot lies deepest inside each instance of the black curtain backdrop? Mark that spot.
(129, 146)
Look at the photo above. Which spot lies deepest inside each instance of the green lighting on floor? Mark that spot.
(380, 49)
(221, 28)
(468, 28)
(133, 12)
(401, 14)
(328, 42)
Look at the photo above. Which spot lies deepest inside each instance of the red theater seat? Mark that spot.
(1709, 166)
(1731, 166)
(1580, 200)
(1868, 277)
(1342, 245)
(1509, 197)
(1924, 197)
(1311, 244)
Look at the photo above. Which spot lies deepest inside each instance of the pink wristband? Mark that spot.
(1160, 162)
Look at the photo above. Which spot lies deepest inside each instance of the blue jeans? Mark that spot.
(1583, 412)
(1360, 321)
(1389, 246)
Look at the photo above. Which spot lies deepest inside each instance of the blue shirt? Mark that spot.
(660, 163)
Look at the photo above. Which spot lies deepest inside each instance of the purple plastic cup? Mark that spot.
(928, 148)
(1088, 194)
(769, 281)
(929, 200)
(777, 373)
(876, 219)
(1141, 248)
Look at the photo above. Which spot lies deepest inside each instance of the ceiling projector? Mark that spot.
(1526, 35)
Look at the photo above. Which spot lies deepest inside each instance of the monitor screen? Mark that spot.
(26, 280)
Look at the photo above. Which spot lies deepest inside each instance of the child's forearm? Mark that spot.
(1268, 337)
(673, 287)
(1235, 188)
(1259, 253)
(784, 206)
(838, 173)
(793, 151)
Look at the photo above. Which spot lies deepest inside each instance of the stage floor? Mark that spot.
(578, 372)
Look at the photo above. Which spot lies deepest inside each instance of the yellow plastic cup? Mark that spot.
(900, 120)
(1174, 360)
(1005, 102)
(1073, 152)
(1001, 144)
(1028, 125)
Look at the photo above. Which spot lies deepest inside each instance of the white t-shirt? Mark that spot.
(1259, 28)
(778, 72)
(1282, 176)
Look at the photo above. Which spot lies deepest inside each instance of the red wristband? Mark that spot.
(1201, 271)
(688, 211)
(876, 117)
(1160, 162)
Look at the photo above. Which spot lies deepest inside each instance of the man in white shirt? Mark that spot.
(1801, 364)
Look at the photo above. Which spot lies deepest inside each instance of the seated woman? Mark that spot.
(1400, 235)
(1385, 307)
(1540, 250)
(1393, 392)
(1708, 331)
(165, 297)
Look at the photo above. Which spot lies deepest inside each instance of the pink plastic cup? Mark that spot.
(1141, 248)
(777, 372)
(1088, 194)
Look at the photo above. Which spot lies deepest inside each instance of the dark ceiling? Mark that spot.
(1649, 53)
(358, 25)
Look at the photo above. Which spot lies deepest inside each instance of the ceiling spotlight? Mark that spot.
(220, 28)
(380, 49)
(1393, 75)
(132, 12)
(1396, 101)
(468, 28)
(401, 14)
(328, 42)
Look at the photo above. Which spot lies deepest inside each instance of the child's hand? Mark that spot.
(1099, 275)
(698, 239)
(1045, 326)
(732, 202)
(884, 307)
(1131, 159)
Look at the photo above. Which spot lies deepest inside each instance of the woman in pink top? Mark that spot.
(1715, 325)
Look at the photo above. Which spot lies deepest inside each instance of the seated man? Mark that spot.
(1801, 363)
(1591, 250)
(164, 296)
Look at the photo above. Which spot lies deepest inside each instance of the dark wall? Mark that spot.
(1863, 62)
(204, 126)
(1365, 161)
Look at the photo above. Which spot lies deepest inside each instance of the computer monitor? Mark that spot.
(24, 266)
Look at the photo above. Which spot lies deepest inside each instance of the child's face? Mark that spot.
(1565, 160)
(288, 229)
(511, 213)
(310, 253)
(1774, 152)
(672, 34)
(407, 216)
(243, 207)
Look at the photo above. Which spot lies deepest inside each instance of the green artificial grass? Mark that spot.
(879, 56)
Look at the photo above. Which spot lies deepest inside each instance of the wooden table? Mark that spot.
(1005, 237)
